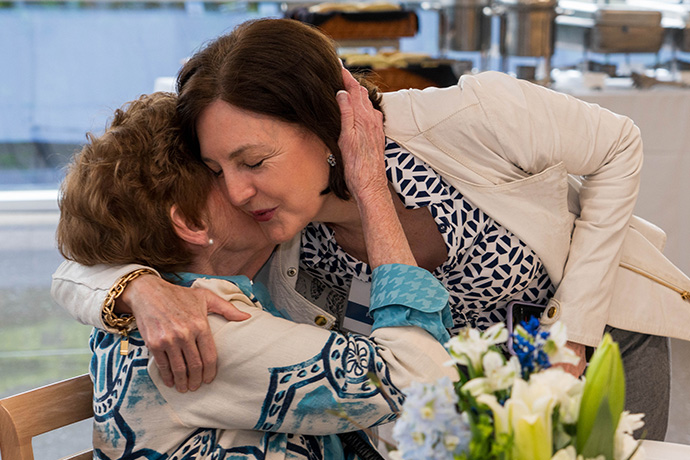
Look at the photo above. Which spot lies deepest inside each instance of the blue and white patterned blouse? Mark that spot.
(487, 265)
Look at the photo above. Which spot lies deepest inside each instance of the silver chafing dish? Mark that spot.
(466, 25)
(527, 27)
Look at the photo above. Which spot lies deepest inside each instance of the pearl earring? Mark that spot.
(210, 241)
(331, 160)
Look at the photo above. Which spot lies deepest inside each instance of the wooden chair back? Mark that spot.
(41, 410)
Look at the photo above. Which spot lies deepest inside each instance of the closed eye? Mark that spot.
(255, 165)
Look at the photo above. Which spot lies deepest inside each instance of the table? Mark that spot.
(663, 116)
(655, 450)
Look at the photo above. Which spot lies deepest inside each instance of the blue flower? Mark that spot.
(430, 427)
(529, 346)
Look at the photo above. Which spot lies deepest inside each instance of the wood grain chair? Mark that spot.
(41, 410)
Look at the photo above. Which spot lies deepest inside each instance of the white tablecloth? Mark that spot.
(665, 451)
(663, 115)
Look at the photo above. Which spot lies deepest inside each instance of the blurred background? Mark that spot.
(65, 66)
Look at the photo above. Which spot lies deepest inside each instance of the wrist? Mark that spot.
(138, 288)
(116, 310)
(373, 196)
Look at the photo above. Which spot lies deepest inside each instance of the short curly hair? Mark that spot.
(116, 198)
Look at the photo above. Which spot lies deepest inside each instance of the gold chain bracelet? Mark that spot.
(121, 323)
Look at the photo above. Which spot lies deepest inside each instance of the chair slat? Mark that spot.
(85, 455)
(44, 409)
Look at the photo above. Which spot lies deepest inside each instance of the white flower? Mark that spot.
(624, 443)
(629, 423)
(569, 454)
(498, 375)
(565, 388)
(555, 345)
(470, 345)
(451, 442)
(527, 416)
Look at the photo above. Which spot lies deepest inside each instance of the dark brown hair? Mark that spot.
(277, 67)
(116, 198)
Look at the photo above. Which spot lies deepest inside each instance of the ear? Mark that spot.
(185, 230)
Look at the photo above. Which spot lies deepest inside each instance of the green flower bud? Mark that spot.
(603, 400)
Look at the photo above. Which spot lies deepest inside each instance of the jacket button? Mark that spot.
(551, 312)
(320, 320)
(292, 271)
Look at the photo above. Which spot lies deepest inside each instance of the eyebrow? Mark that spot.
(234, 153)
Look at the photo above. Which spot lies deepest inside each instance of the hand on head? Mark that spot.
(362, 140)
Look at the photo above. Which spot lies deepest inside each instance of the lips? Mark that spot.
(264, 215)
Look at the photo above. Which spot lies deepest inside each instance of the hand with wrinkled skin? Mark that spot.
(362, 144)
(173, 323)
(362, 140)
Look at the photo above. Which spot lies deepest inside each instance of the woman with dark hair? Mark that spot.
(283, 390)
(506, 191)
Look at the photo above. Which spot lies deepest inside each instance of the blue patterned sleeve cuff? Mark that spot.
(405, 295)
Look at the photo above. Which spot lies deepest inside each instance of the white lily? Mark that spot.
(624, 443)
(569, 454)
(470, 345)
(531, 408)
(555, 345)
(526, 415)
(498, 375)
(565, 388)
(501, 421)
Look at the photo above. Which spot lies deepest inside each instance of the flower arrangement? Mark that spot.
(520, 408)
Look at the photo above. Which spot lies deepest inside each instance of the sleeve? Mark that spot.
(405, 295)
(81, 290)
(281, 376)
(537, 128)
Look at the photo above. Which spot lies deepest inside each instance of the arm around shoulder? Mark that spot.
(298, 377)
(82, 290)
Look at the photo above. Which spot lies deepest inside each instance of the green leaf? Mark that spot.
(601, 438)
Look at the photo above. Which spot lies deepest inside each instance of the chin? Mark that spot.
(279, 235)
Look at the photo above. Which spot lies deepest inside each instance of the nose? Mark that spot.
(240, 189)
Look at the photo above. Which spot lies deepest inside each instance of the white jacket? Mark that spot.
(517, 151)
(563, 176)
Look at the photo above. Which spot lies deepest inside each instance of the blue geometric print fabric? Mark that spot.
(124, 396)
(487, 265)
(130, 411)
(403, 295)
(409, 286)
(344, 364)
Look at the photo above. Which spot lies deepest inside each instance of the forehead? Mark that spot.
(227, 131)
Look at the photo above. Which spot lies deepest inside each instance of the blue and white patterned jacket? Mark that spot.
(283, 389)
